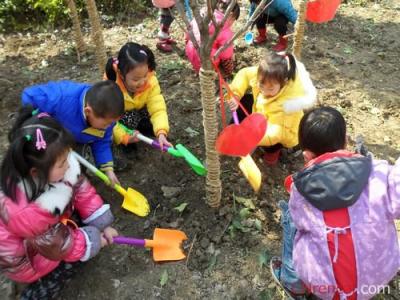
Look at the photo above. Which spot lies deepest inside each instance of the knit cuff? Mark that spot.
(93, 241)
(101, 218)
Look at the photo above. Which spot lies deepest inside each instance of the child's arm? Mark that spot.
(157, 110)
(241, 82)
(43, 96)
(101, 150)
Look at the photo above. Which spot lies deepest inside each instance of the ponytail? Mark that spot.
(292, 67)
(110, 72)
(151, 60)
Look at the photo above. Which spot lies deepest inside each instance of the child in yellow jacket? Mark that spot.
(145, 109)
(280, 89)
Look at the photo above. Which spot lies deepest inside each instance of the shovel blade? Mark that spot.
(167, 244)
(135, 202)
(192, 160)
(251, 171)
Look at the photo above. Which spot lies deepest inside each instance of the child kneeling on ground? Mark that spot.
(339, 235)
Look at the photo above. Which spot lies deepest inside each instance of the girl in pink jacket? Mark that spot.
(225, 59)
(42, 186)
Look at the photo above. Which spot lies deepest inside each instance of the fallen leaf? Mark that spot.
(247, 202)
(181, 207)
(164, 278)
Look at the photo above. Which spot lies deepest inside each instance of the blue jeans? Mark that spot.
(288, 275)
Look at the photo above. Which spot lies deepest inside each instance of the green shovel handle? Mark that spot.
(99, 174)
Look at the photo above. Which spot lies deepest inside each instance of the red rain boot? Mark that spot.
(262, 36)
(271, 158)
(164, 46)
(281, 45)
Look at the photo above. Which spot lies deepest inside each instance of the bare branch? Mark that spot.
(220, 25)
(258, 11)
(189, 29)
(210, 13)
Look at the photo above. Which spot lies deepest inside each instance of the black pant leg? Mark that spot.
(280, 24)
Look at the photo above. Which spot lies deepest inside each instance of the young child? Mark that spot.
(279, 13)
(225, 59)
(145, 109)
(165, 41)
(41, 186)
(280, 89)
(87, 111)
(339, 235)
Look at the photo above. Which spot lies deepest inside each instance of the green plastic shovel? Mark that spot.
(178, 151)
(134, 201)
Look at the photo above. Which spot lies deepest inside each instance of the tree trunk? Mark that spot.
(299, 29)
(210, 123)
(76, 28)
(97, 34)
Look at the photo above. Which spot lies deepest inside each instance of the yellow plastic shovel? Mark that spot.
(134, 201)
(247, 165)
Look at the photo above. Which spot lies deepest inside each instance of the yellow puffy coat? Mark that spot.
(150, 96)
(283, 111)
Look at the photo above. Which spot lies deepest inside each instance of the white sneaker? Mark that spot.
(163, 35)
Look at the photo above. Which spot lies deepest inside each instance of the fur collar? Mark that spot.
(57, 196)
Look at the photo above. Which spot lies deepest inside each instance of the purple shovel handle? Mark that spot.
(123, 240)
(235, 117)
(155, 144)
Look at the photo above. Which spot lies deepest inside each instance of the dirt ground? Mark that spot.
(353, 62)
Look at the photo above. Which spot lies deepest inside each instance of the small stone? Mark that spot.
(146, 224)
(170, 192)
(204, 242)
(116, 283)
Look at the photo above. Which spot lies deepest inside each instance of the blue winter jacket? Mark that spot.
(279, 7)
(64, 100)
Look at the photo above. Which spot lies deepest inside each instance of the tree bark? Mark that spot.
(97, 34)
(299, 29)
(210, 123)
(76, 28)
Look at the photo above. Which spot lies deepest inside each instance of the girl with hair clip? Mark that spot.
(145, 109)
(226, 58)
(280, 89)
(41, 186)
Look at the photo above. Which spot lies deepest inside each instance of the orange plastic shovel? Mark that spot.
(166, 244)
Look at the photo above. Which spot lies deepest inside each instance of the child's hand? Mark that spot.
(162, 140)
(107, 236)
(133, 137)
(233, 105)
(113, 178)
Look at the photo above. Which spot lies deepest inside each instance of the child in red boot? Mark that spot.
(164, 39)
(280, 89)
(279, 13)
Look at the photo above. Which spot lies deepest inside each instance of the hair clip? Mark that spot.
(40, 142)
(143, 52)
(28, 137)
(35, 112)
(43, 114)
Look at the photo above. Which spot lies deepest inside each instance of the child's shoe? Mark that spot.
(281, 45)
(275, 267)
(271, 158)
(261, 37)
(164, 46)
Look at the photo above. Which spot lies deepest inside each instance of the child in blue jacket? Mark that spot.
(87, 111)
(279, 13)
